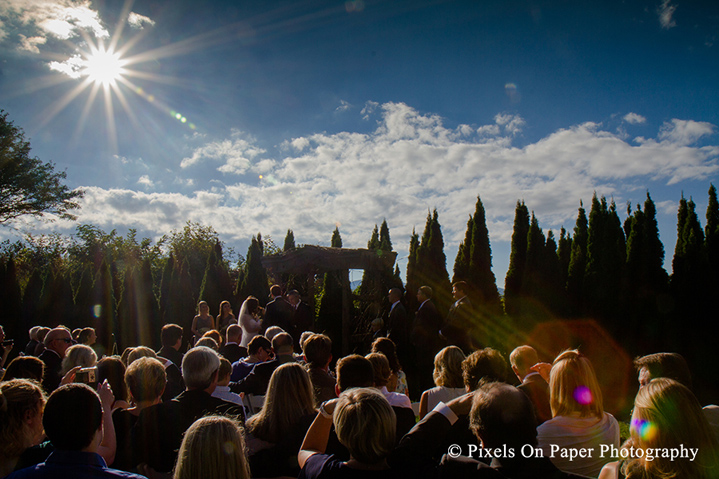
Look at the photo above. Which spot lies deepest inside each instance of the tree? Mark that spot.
(517, 261)
(289, 241)
(27, 185)
(431, 264)
(578, 263)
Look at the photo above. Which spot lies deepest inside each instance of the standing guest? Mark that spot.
(5, 350)
(522, 359)
(87, 336)
(425, 336)
(73, 421)
(578, 417)
(78, 355)
(32, 344)
(304, 316)
(276, 432)
(459, 325)
(232, 349)
(225, 318)
(249, 320)
(213, 447)
(171, 338)
(57, 342)
(203, 322)
(259, 351)
(278, 312)
(398, 326)
(41, 335)
(21, 405)
(145, 378)
(222, 391)
(112, 369)
(318, 353)
(447, 377)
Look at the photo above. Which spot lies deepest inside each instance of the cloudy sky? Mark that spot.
(306, 114)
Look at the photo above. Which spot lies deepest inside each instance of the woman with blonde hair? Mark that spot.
(667, 416)
(365, 424)
(274, 435)
(203, 322)
(213, 447)
(78, 355)
(578, 417)
(21, 405)
(447, 378)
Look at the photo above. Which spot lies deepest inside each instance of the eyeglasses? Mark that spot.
(66, 340)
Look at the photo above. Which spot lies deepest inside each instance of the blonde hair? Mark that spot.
(214, 446)
(17, 398)
(382, 371)
(140, 352)
(573, 386)
(448, 367)
(289, 397)
(666, 415)
(78, 355)
(365, 424)
(146, 379)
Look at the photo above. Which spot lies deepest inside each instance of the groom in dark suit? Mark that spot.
(398, 326)
(278, 312)
(458, 327)
(425, 336)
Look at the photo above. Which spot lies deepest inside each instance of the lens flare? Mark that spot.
(583, 395)
(646, 430)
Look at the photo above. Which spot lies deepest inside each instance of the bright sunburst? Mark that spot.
(104, 67)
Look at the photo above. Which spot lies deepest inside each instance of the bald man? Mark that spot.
(56, 343)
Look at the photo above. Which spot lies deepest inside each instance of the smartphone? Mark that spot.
(87, 376)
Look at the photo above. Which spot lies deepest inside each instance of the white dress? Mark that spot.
(250, 328)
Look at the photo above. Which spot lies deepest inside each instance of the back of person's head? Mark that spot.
(318, 350)
(140, 352)
(85, 335)
(273, 331)
(664, 365)
(502, 414)
(25, 367)
(382, 371)
(146, 379)
(214, 334)
(73, 414)
(573, 386)
(125, 356)
(486, 364)
(365, 424)
(461, 286)
(213, 447)
(667, 415)
(289, 397)
(170, 334)
(282, 343)
(208, 342)
(522, 358)
(257, 343)
(233, 333)
(20, 399)
(303, 338)
(113, 369)
(225, 370)
(276, 290)
(42, 333)
(78, 355)
(426, 291)
(387, 347)
(448, 367)
(199, 367)
(33, 332)
(354, 371)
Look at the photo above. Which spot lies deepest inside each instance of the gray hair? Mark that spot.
(199, 365)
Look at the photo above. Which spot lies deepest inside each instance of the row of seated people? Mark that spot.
(142, 433)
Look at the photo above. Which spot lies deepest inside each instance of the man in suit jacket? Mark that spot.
(278, 312)
(457, 329)
(303, 318)
(231, 350)
(533, 385)
(501, 417)
(257, 381)
(398, 326)
(159, 430)
(425, 337)
(56, 343)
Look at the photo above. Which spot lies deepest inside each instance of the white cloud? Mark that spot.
(344, 106)
(684, 132)
(71, 67)
(137, 21)
(666, 14)
(146, 181)
(30, 44)
(634, 118)
(368, 109)
(410, 163)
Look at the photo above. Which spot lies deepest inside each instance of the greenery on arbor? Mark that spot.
(27, 185)
(329, 316)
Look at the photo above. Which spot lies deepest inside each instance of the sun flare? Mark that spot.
(104, 67)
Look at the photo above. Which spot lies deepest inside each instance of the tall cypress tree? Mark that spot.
(711, 242)
(578, 264)
(255, 281)
(413, 282)
(514, 280)
(432, 263)
(481, 279)
(329, 318)
(461, 262)
(289, 241)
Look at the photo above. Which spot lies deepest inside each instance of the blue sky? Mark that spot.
(263, 116)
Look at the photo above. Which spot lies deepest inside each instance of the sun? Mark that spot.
(104, 67)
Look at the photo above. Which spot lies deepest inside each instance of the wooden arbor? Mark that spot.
(312, 260)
